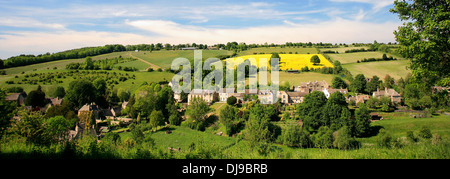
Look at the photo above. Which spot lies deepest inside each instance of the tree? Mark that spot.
(81, 92)
(358, 84)
(197, 112)
(362, 123)
(343, 139)
(88, 64)
(310, 110)
(423, 38)
(294, 136)
(335, 111)
(388, 82)
(324, 137)
(315, 59)
(60, 92)
(373, 84)
(257, 126)
(35, 98)
(156, 119)
(100, 86)
(337, 83)
(57, 128)
(228, 117)
(6, 108)
(31, 126)
(231, 100)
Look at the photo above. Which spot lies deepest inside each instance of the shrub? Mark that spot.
(343, 139)
(384, 139)
(324, 137)
(425, 133)
(231, 100)
(410, 136)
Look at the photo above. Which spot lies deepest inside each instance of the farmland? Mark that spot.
(396, 69)
(289, 61)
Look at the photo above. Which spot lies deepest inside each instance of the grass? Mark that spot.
(397, 125)
(395, 69)
(164, 58)
(130, 84)
(297, 78)
(183, 137)
(345, 58)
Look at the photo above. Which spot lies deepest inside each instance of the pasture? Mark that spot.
(164, 58)
(396, 69)
(346, 58)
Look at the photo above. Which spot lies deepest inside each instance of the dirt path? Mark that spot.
(155, 67)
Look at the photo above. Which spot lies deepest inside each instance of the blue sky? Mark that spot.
(40, 26)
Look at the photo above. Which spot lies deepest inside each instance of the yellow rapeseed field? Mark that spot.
(290, 61)
(256, 57)
(298, 61)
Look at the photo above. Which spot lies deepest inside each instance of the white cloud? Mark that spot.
(15, 43)
(377, 4)
(28, 22)
(335, 31)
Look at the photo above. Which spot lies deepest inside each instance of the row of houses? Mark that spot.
(286, 97)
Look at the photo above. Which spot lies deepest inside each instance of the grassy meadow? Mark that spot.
(396, 69)
(396, 124)
(164, 58)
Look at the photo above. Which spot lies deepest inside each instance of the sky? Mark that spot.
(41, 26)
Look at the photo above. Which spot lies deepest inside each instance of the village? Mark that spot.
(112, 118)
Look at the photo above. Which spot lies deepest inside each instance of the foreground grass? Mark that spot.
(207, 145)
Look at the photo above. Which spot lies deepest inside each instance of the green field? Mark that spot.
(396, 68)
(396, 124)
(297, 78)
(164, 58)
(345, 58)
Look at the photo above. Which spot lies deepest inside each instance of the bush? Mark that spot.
(425, 133)
(174, 119)
(384, 139)
(231, 100)
(294, 136)
(343, 139)
(410, 136)
(324, 137)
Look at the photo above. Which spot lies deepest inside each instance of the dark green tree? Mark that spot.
(60, 92)
(315, 59)
(36, 98)
(373, 84)
(335, 111)
(81, 92)
(88, 64)
(156, 119)
(337, 83)
(228, 117)
(257, 126)
(310, 110)
(197, 112)
(231, 100)
(358, 84)
(362, 123)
